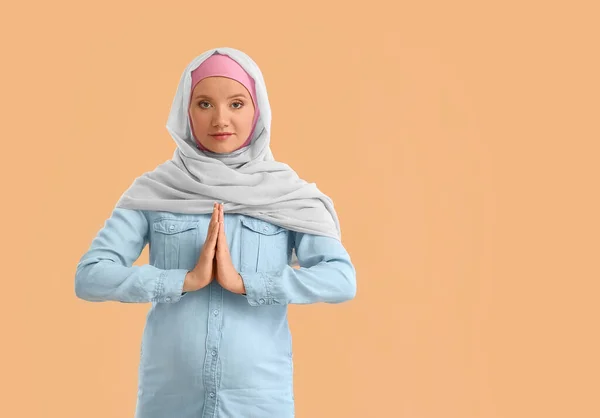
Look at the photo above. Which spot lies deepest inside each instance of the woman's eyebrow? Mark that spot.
(208, 97)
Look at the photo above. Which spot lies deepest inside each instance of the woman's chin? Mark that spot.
(220, 147)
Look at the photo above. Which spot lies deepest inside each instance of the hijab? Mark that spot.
(247, 180)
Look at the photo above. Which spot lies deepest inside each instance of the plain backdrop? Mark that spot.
(458, 140)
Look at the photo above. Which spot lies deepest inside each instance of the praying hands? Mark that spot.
(214, 261)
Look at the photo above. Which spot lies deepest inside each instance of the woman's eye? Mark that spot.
(206, 107)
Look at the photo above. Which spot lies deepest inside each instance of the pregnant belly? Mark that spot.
(173, 348)
(251, 359)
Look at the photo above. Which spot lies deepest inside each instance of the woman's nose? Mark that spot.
(220, 117)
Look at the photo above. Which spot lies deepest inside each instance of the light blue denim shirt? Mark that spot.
(213, 353)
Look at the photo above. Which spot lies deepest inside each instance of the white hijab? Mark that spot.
(247, 181)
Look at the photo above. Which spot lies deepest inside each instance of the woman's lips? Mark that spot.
(221, 136)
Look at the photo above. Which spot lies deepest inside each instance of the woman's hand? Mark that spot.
(225, 273)
(203, 273)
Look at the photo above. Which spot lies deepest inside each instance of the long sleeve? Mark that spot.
(106, 272)
(326, 274)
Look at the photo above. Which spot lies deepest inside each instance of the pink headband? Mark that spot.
(224, 66)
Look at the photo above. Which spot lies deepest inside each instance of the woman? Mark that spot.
(216, 341)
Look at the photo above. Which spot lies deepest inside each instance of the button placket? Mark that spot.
(210, 371)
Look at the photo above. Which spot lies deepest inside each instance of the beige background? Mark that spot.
(458, 140)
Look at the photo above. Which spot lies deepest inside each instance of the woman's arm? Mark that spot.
(326, 274)
(105, 272)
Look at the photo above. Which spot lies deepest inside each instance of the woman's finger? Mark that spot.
(210, 244)
(213, 219)
(219, 239)
(215, 213)
(215, 232)
(214, 227)
(222, 237)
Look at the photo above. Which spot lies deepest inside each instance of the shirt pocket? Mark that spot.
(264, 246)
(175, 243)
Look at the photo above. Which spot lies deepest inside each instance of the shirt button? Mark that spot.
(211, 394)
(214, 353)
(261, 301)
(216, 312)
(172, 227)
(265, 228)
(168, 299)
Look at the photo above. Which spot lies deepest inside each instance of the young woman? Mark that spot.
(235, 237)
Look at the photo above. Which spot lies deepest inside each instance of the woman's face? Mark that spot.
(220, 104)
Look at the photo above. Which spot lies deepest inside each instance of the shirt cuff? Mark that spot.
(261, 288)
(169, 286)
